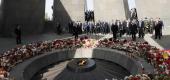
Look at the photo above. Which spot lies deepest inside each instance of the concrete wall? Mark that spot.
(66, 10)
(154, 8)
(106, 10)
(1, 14)
(126, 8)
(27, 69)
(28, 13)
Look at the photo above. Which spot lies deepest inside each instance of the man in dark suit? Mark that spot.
(141, 28)
(59, 29)
(70, 25)
(75, 31)
(18, 34)
(158, 29)
(124, 26)
(114, 29)
(133, 30)
(162, 25)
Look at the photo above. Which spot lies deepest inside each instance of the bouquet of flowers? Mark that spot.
(89, 43)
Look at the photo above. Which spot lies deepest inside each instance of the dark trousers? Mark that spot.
(121, 33)
(133, 37)
(76, 36)
(158, 34)
(18, 39)
(114, 36)
(141, 33)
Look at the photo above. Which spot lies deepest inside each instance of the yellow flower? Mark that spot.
(165, 55)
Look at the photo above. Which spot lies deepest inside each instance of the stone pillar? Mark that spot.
(154, 9)
(126, 8)
(27, 13)
(108, 10)
(67, 10)
(1, 15)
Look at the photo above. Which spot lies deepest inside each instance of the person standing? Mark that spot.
(162, 24)
(124, 26)
(128, 25)
(59, 30)
(75, 31)
(158, 28)
(141, 29)
(114, 29)
(70, 25)
(133, 30)
(88, 28)
(146, 24)
(120, 26)
(18, 34)
(152, 25)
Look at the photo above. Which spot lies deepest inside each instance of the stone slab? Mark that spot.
(1, 14)
(154, 9)
(67, 10)
(108, 10)
(28, 13)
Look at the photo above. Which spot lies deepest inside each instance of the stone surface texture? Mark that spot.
(67, 10)
(154, 9)
(27, 13)
(108, 10)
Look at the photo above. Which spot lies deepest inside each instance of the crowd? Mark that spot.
(89, 15)
(120, 27)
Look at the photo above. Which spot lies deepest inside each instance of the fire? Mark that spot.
(82, 62)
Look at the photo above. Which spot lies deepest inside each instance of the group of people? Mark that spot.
(89, 15)
(120, 27)
(142, 26)
(75, 28)
(149, 26)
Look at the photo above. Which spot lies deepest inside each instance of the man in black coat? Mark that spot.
(59, 29)
(158, 29)
(18, 34)
(133, 30)
(114, 29)
(75, 31)
(70, 25)
(141, 28)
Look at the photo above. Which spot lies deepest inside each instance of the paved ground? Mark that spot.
(8, 43)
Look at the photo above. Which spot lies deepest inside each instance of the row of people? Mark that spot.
(89, 15)
(138, 26)
(118, 27)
